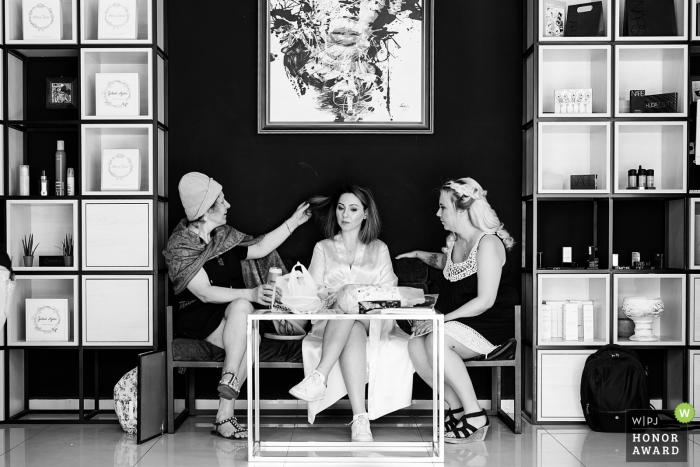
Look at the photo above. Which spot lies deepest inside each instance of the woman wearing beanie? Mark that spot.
(476, 299)
(209, 264)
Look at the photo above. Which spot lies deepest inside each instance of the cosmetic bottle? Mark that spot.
(70, 182)
(632, 178)
(60, 169)
(641, 178)
(44, 184)
(24, 180)
(650, 178)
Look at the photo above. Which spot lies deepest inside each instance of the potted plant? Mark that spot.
(29, 250)
(67, 248)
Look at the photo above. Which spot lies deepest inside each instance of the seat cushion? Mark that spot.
(195, 350)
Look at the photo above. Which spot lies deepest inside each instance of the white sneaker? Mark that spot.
(312, 388)
(360, 429)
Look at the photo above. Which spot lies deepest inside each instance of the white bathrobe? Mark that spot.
(390, 371)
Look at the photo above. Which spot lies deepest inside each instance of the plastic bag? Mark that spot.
(298, 290)
(358, 298)
(125, 398)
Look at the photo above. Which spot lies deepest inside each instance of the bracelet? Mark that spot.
(290, 230)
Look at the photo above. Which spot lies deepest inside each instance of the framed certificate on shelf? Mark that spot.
(41, 20)
(121, 170)
(117, 94)
(47, 319)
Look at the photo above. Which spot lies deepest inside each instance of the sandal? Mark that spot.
(468, 433)
(452, 421)
(230, 389)
(236, 426)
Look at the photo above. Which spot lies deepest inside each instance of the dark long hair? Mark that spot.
(323, 209)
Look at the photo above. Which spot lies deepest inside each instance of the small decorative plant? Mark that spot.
(28, 245)
(67, 245)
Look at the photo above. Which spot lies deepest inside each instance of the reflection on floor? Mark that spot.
(192, 445)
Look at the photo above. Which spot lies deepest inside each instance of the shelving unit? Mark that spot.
(116, 287)
(607, 143)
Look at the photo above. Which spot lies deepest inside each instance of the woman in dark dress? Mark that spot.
(478, 303)
(207, 264)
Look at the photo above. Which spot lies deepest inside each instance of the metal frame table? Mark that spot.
(435, 449)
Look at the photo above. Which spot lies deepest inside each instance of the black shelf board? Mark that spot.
(163, 127)
(115, 195)
(43, 347)
(52, 125)
(119, 347)
(594, 195)
(612, 271)
(552, 117)
(649, 271)
(40, 198)
(573, 271)
(641, 195)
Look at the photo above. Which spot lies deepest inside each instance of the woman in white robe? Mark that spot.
(339, 353)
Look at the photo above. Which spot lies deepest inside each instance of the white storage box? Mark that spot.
(42, 20)
(117, 94)
(121, 170)
(117, 19)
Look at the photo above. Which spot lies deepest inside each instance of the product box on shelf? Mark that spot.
(655, 103)
(47, 319)
(584, 182)
(587, 322)
(545, 321)
(554, 16)
(585, 20)
(121, 170)
(573, 101)
(117, 19)
(41, 20)
(117, 94)
(650, 18)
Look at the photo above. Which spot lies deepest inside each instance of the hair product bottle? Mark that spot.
(632, 178)
(650, 178)
(70, 182)
(641, 178)
(24, 180)
(60, 169)
(44, 184)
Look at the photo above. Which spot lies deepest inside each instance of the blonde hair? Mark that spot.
(468, 195)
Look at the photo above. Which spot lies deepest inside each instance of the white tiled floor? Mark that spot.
(193, 445)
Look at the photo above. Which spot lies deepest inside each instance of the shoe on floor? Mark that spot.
(312, 388)
(360, 429)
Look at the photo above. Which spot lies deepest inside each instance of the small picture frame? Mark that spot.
(62, 93)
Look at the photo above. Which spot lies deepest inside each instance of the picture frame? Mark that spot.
(62, 93)
(371, 75)
(47, 319)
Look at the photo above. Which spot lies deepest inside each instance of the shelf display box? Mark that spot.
(47, 319)
(585, 20)
(573, 101)
(554, 14)
(650, 18)
(121, 170)
(657, 103)
(42, 20)
(570, 326)
(588, 329)
(545, 324)
(117, 20)
(117, 94)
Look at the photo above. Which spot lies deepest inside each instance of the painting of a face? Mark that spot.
(345, 60)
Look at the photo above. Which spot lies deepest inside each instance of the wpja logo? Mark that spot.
(655, 436)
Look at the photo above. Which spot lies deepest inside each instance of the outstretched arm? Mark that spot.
(275, 238)
(434, 260)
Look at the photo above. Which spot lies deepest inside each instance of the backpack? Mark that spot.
(613, 381)
(125, 398)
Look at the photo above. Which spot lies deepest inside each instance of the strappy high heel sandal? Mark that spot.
(468, 433)
(452, 421)
(230, 389)
(236, 427)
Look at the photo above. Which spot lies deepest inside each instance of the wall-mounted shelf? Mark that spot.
(89, 10)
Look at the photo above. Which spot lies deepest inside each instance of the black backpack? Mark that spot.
(613, 381)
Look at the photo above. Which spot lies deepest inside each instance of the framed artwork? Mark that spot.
(345, 66)
(61, 93)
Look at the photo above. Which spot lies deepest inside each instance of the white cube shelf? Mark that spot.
(118, 310)
(528, 160)
(95, 138)
(117, 235)
(559, 384)
(49, 221)
(163, 233)
(694, 379)
(162, 163)
(15, 149)
(116, 61)
(47, 287)
(574, 67)
(681, 7)
(162, 77)
(14, 29)
(656, 69)
(572, 148)
(694, 233)
(160, 33)
(669, 327)
(89, 17)
(562, 287)
(694, 23)
(694, 309)
(606, 18)
(661, 146)
(529, 92)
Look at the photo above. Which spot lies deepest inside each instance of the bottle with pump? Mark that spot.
(60, 169)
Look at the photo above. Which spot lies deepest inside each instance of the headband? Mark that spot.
(465, 190)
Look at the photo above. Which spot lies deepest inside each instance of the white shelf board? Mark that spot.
(660, 146)
(574, 67)
(573, 148)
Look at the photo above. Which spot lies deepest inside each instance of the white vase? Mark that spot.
(643, 311)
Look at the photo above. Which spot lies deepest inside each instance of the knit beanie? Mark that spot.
(197, 193)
